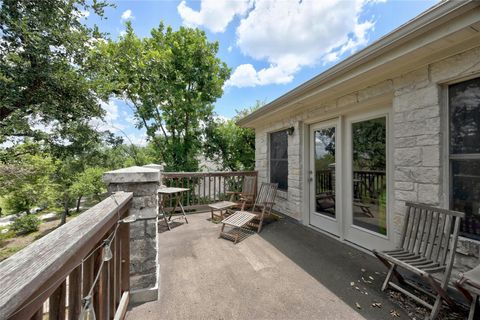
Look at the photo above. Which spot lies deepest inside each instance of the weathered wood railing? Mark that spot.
(53, 276)
(366, 183)
(205, 187)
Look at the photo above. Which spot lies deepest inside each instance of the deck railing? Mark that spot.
(366, 183)
(205, 187)
(88, 256)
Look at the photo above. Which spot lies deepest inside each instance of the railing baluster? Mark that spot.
(111, 281)
(74, 293)
(38, 315)
(56, 308)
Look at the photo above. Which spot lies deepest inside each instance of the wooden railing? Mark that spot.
(54, 276)
(366, 183)
(205, 187)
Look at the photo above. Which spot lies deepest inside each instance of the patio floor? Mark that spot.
(288, 271)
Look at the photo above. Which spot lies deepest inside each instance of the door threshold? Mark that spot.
(338, 238)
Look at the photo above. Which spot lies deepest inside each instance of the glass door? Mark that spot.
(367, 181)
(324, 177)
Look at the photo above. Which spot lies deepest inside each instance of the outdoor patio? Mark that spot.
(288, 271)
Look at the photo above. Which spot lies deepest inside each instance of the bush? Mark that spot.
(26, 224)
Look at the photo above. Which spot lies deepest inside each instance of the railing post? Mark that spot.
(141, 277)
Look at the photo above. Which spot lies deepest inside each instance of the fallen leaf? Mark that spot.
(363, 270)
(358, 305)
(352, 283)
(371, 278)
(394, 313)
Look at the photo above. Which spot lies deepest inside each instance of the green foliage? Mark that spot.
(369, 143)
(44, 75)
(26, 183)
(89, 182)
(171, 79)
(231, 146)
(26, 224)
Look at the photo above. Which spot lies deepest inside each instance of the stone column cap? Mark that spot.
(154, 166)
(133, 174)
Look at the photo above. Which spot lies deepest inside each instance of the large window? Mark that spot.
(279, 159)
(464, 136)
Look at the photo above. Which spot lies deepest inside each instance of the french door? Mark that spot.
(325, 202)
(349, 180)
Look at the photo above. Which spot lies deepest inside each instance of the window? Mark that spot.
(464, 136)
(279, 159)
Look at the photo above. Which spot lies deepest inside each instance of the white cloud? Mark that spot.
(127, 15)
(230, 48)
(289, 35)
(214, 15)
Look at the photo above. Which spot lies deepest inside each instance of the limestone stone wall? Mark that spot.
(417, 101)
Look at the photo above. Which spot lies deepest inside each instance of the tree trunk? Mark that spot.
(78, 203)
(66, 212)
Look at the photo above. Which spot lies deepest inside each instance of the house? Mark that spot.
(398, 121)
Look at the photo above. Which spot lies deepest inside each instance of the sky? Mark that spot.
(270, 46)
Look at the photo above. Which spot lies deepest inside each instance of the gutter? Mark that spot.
(436, 15)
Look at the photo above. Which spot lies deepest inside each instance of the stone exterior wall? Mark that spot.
(418, 141)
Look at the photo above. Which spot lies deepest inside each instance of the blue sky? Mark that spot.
(271, 46)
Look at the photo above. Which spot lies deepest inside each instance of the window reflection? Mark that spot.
(369, 175)
(325, 171)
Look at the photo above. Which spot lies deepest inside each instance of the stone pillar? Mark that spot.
(143, 182)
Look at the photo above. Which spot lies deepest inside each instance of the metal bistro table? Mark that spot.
(171, 193)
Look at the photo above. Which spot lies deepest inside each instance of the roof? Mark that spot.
(437, 15)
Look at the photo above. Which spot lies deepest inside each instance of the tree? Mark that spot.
(88, 183)
(46, 92)
(26, 181)
(171, 80)
(231, 146)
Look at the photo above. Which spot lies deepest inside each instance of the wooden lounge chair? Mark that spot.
(427, 248)
(239, 200)
(469, 285)
(262, 207)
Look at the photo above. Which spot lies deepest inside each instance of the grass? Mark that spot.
(8, 251)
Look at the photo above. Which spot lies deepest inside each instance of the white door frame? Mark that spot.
(353, 233)
(318, 220)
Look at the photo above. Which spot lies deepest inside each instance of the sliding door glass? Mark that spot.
(369, 174)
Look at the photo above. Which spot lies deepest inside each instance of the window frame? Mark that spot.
(449, 157)
(270, 158)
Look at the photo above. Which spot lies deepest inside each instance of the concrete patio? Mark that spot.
(286, 272)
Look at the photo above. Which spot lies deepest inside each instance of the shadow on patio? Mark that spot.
(286, 272)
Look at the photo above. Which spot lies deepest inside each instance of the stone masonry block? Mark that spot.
(431, 156)
(408, 156)
(462, 64)
(420, 98)
(429, 194)
(375, 90)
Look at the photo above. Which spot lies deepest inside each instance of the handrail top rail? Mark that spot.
(27, 270)
(207, 173)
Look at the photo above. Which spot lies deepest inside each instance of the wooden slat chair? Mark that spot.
(427, 248)
(245, 197)
(262, 207)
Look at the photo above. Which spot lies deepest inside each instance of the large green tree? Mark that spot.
(171, 80)
(230, 146)
(46, 92)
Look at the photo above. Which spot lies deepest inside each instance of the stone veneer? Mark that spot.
(418, 157)
(144, 183)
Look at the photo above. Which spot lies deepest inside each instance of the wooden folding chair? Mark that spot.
(427, 248)
(262, 207)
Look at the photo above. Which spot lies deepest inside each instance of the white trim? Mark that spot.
(360, 235)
